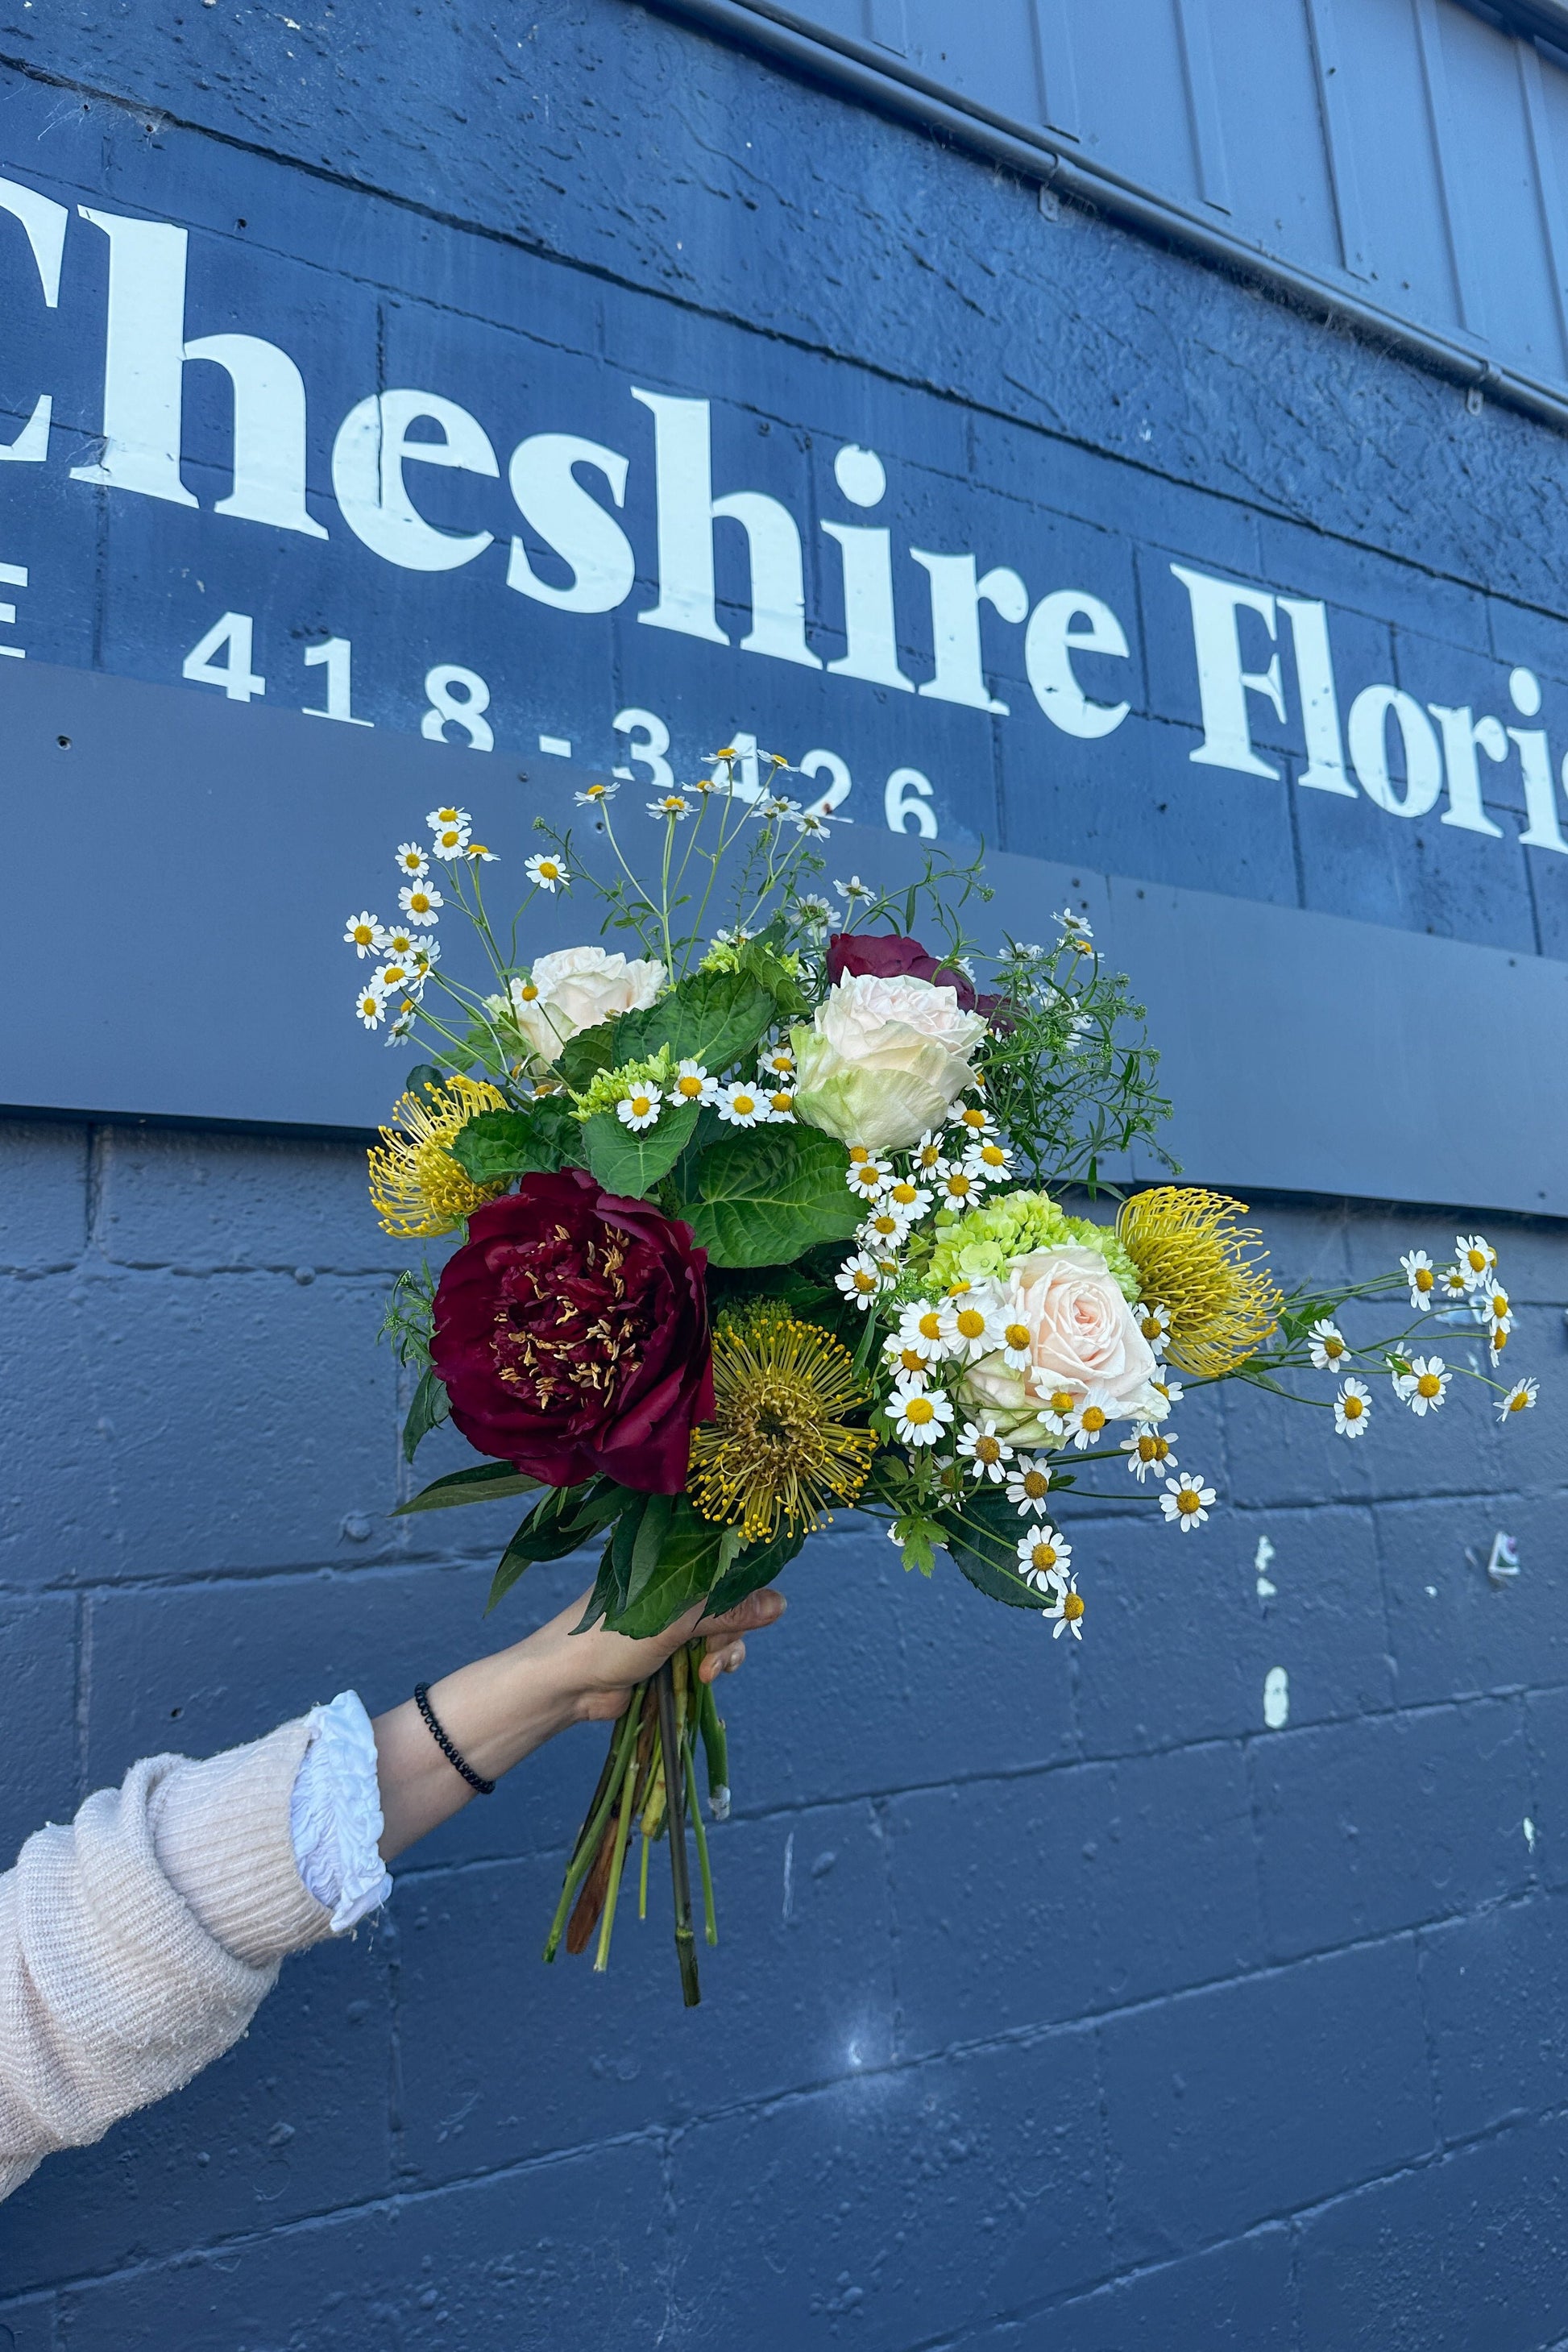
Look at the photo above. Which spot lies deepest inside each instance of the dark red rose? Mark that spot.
(572, 1335)
(886, 955)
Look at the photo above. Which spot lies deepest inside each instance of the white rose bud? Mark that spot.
(1083, 1335)
(576, 989)
(884, 1060)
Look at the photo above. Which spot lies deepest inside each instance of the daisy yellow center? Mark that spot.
(971, 1323)
(1148, 1449)
(1334, 1349)
(989, 1449)
(930, 1326)
(1428, 1385)
(929, 1156)
(528, 992)
(1517, 1403)
(745, 1105)
(1151, 1326)
(1188, 1501)
(1352, 1408)
(549, 868)
(689, 1086)
(1476, 1260)
(413, 864)
(1072, 1607)
(1062, 1401)
(911, 1359)
(1500, 1305)
(886, 1225)
(446, 816)
(1094, 1419)
(367, 1004)
(993, 1154)
(918, 1410)
(976, 1118)
(363, 935)
(867, 1176)
(781, 1101)
(1043, 1556)
(1500, 1339)
(641, 1106)
(395, 976)
(858, 1153)
(958, 1184)
(1424, 1277)
(449, 841)
(904, 1192)
(1036, 1484)
(420, 901)
(864, 1281)
(1017, 1335)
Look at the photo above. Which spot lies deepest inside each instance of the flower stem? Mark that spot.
(710, 1919)
(611, 1893)
(680, 1880)
(622, 1742)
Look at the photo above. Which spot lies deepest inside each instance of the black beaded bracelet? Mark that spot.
(475, 1779)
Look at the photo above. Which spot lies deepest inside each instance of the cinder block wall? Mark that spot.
(1054, 1985)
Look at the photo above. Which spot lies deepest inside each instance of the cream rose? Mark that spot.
(1083, 1335)
(884, 1060)
(577, 988)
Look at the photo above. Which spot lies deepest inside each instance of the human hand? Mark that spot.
(610, 1664)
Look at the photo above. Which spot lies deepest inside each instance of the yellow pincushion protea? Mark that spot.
(778, 1449)
(416, 1185)
(1203, 1268)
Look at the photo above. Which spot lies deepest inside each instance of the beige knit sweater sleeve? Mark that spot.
(137, 1943)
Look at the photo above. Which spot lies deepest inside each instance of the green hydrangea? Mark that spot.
(986, 1240)
(608, 1088)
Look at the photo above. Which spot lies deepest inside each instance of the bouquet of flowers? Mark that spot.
(766, 1221)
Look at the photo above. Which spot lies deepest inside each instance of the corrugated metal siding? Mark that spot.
(1409, 157)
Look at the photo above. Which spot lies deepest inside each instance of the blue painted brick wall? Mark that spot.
(1059, 2001)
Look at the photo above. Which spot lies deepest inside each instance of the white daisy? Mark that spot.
(1027, 1488)
(861, 1279)
(422, 956)
(917, 1414)
(440, 820)
(594, 795)
(1424, 1385)
(546, 873)
(883, 1229)
(778, 1062)
(450, 830)
(907, 1362)
(1016, 1340)
(1519, 1398)
(813, 910)
(958, 1186)
(670, 805)
(411, 859)
(1154, 1322)
(973, 1326)
(1074, 930)
(1147, 1450)
(986, 1454)
(363, 933)
(976, 1122)
(781, 1103)
(1057, 1407)
(1088, 1419)
(739, 1105)
(1168, 1387)
(1493, 1305)
(775, 808)
(1329, 1345)
(421, 902)
(988, 1160)
(1422, 1276)
(1185, 1502)
(1352, 1408)
(639, 1109)
(1454, 1283)
(813, 824)
(1475, 1257)
(370, 1006)
(854, 890)
(1043, 1555)
(1067, 1611)
(911, 1200)
(1498, 1342)
(398, 944)
(928, 1154)
(868, 1179)
(394, 975)
(691, 1083)
(927, 1329)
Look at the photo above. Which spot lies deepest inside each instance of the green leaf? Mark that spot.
(652, 1528)
(984, 1541)
(590, 1051)
(564, 1517)
(685, 1569)
(429, 1409)
(496, 1144)
(771, 1193)
(486, 1482)
(625, 1163)
(715, 1018)
(754, 1566)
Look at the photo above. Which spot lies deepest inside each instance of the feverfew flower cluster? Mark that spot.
(403, 954)
(1471, 1285)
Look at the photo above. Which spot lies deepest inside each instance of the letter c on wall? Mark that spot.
(368, 457)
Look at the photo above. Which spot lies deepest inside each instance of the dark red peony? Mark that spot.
(572, 1335)
(888, 954)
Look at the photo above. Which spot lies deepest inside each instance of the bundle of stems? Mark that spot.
(649, 1779)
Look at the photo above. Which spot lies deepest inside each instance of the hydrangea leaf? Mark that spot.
(716, 1018)
(497, 1144)
(770, 1193)
(625, 1163)
(982, 1540)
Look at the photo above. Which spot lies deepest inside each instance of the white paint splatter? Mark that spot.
(1530, 1833)
(1266, 1592)
(789, 1877)
(1276, 1698)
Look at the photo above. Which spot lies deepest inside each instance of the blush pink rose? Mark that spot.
(1083, 1335)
